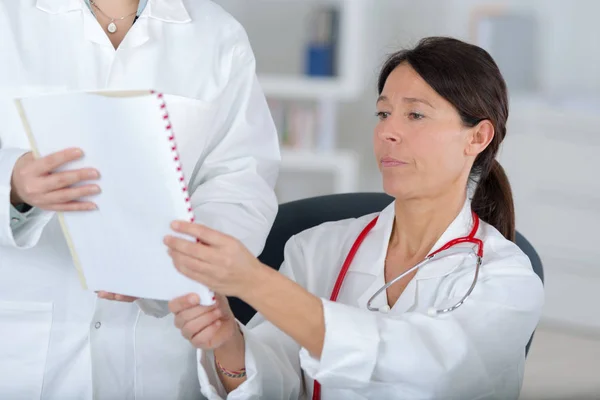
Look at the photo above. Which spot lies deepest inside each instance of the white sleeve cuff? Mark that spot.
(210, 383)
(270, 374)
(350, 348)
(18, 218)
(26, 232)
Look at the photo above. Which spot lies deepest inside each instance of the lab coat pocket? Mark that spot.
(24, 340)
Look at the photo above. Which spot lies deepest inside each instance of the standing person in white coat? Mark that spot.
(58, 341)
(451, 329)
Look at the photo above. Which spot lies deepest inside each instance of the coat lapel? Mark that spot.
(370, 259)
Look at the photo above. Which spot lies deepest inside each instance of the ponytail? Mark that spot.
(493, 201)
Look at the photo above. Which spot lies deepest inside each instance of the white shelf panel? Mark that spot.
(348, 84)
(308, 88)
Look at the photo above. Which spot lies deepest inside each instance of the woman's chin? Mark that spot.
(395, 189)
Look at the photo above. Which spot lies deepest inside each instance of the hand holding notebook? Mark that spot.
(119, 247)
(35, 183)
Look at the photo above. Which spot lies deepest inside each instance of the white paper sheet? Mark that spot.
(119, 248)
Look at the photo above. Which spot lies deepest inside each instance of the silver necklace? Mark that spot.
(112, 27)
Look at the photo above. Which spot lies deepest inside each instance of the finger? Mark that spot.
(72, 206)
(189, 314)
(115, 297)
(65, 179)
(191, 267)
(198, 251)
(199, 277)
(71, 194)
(204, 233)
(206, 337)
(184, 302)
(105, 295)
(125, 299)
(192, 327)
(53, 161)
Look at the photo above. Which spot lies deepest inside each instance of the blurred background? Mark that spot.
(318, 61)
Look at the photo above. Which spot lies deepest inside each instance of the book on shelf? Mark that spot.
(296, 124)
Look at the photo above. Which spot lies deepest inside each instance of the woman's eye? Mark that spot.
(415, 116)
(382, 115)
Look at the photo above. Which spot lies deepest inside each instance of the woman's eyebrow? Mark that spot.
(383, 98)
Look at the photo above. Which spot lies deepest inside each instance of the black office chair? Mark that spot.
(297, 216)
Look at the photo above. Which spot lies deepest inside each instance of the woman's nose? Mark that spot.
(388, 136)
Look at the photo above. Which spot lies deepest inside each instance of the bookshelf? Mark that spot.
(304, 103)
(347, 84)
(318, 95)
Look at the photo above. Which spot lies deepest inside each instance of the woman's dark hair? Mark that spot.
(467, 77)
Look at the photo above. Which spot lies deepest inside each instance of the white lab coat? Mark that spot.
(56, 340)
(475, 352)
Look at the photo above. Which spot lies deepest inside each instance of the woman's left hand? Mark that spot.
(216, 260)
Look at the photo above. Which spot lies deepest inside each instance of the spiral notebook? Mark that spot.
(129, 138)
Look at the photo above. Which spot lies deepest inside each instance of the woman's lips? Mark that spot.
(389, 162)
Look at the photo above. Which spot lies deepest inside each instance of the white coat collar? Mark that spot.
(164, 10)
(168, 11)
(59, 6)
(371, 261)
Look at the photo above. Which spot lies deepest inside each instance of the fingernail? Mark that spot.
(77, 152)
(93, 174)
(193, 300)
(175, 225)
(95, 190)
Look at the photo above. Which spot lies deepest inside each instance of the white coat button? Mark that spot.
(97, 325)
(15, 220)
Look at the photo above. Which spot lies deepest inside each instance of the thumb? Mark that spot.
(179, 304)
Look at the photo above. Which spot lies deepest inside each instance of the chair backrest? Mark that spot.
(297, 216)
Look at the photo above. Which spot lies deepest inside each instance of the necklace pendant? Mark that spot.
(112, 27)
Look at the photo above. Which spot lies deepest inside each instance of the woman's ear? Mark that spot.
(479, 138)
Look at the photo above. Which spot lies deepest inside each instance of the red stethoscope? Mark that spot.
(445, 250)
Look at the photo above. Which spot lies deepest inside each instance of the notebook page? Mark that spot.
(119, 248)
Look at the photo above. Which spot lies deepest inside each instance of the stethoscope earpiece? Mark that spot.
(432, 312)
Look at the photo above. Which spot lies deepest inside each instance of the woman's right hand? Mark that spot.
(206, 327)
(35, 183)
(213, 328)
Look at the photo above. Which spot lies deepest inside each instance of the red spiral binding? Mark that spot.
(175, 153)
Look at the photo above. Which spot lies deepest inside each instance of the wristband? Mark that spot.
(231, 374)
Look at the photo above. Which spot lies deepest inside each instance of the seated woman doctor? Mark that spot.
(442, 111)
